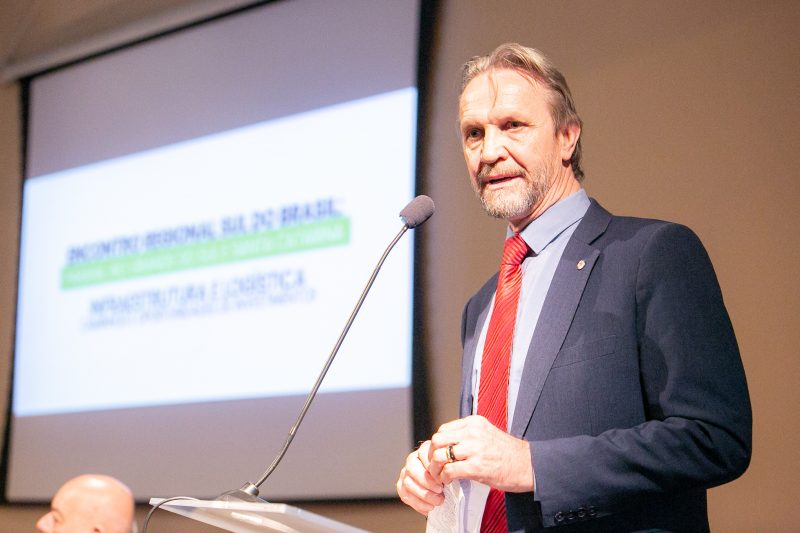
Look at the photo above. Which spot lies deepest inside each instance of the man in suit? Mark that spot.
(602, 386)
(90, 503)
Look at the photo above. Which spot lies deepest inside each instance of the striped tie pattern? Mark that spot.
(493, 389)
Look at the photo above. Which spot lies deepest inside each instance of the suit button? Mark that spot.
(559, 517)
(570, 516)
(592, 511)
(582, 512)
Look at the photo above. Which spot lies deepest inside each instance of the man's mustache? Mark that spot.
(490, 172)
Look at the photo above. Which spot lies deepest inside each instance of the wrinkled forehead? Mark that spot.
(496, 89)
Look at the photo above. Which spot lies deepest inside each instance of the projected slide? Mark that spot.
(201, 211)
(220, 268)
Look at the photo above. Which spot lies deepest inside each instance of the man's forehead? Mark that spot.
(497, 88)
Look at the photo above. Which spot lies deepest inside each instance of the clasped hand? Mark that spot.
(479, 451)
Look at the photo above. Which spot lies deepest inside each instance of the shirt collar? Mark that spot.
(545, 228)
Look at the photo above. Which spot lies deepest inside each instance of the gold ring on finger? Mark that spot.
(451, 457)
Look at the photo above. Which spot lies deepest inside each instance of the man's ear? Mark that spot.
(568, 139)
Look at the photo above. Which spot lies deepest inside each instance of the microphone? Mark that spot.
(413, 215)
(417, 211)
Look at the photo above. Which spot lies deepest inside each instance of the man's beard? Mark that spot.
(514, 201)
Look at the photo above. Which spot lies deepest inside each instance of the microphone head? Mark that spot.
(417, 211)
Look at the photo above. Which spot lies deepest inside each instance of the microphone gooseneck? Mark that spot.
(414, 214)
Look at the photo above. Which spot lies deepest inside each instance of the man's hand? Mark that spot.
(480, 452)
(415, 486)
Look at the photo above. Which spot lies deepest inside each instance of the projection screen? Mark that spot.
(200, 213)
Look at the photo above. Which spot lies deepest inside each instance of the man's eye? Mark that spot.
(473, 133)
(514, 124)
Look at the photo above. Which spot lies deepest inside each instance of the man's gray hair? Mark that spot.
(533, 64)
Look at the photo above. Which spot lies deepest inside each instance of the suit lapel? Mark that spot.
(561, 302)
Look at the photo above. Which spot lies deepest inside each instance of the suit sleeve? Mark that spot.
(697, 432)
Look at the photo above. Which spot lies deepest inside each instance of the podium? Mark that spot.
(253, 517)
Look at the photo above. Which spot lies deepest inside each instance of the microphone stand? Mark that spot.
(249, 491)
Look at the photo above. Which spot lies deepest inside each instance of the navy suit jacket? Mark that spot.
(633, 395)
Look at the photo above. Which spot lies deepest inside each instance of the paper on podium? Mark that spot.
(252, 517)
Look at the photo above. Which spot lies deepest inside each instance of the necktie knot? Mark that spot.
(514, 250)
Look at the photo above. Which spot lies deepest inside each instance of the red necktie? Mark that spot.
(493, 389)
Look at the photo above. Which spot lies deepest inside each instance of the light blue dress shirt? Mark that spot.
(547, 237)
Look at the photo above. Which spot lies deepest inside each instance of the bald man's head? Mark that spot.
(89, 504)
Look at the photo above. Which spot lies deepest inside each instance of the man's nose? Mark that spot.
(494, 146)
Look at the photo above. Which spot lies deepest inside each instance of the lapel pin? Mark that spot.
(581, 264)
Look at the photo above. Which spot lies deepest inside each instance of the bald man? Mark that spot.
(90, 504)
